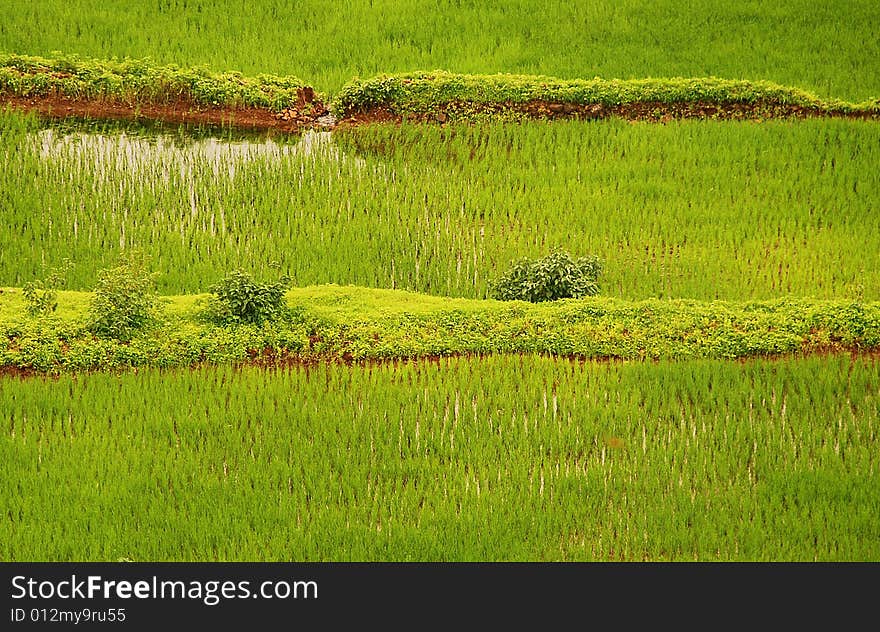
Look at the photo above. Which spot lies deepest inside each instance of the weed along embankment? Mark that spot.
(443, 96)
(348, 324)
(139, 89)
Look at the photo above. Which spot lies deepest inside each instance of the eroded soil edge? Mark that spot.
(303, 115)
(310, 113)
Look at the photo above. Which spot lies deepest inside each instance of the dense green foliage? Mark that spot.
(550, 278)
(698, 209)
(238, 298)
(124, 300)
(493, 459)
(141, 81)
(334, 323)
(424, 91)
(826, 46)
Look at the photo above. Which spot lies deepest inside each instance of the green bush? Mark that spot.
(238, 299)
(124, 300)
(555, 276)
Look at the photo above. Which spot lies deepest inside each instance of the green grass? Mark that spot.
(827, 47)
(671, 461)
(699, 209)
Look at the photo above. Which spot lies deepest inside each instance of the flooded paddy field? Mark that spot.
(443, 210)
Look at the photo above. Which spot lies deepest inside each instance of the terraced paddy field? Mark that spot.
(719, 399)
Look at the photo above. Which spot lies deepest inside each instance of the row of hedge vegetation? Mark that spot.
(135, 81)
(420, 92)
(142, 81)
(348, 323)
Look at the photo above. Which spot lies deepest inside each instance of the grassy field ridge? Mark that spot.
(335, 323)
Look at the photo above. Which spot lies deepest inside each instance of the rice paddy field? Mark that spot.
(826, 46)
(693, 209)
(672, 461)
(392, 234)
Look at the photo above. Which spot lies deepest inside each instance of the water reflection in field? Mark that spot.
(108, 152)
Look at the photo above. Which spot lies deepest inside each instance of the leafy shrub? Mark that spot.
(41, 296)
(238, 299)
(124, 300)
(555, 276)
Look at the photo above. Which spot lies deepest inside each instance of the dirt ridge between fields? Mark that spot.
(309, 113)
(303, 115)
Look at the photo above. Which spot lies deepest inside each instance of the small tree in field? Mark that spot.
(554, 277)
(124, 300)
